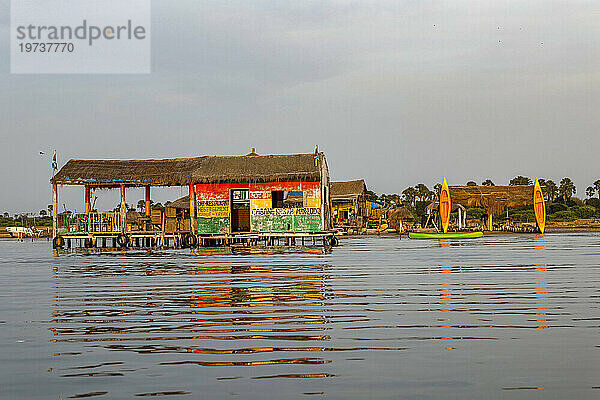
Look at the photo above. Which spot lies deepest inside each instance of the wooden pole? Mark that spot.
(54, 210)
(147, 201)
(193, 221)
(123, 209)
(490, 221)
(87, 199)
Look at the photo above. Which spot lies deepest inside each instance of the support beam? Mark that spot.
(87, 199)
(123, 209)
(490, 221)
(193, 220)
(54, 210)
(147, 201)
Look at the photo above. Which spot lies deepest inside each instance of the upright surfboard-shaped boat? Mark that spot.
(445, 205)
(539, 206)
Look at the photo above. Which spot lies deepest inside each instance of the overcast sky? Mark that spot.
(395, 92)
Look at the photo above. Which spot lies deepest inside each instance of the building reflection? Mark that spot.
(207, 308)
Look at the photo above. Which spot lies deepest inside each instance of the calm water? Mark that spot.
(503, 317)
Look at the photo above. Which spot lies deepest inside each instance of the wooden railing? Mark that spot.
(94, 222)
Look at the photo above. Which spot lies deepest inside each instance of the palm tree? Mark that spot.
(422, 191)
(566, 188)
(520, 180)
(487, 182)
(550, 189)
(409, 195)
(590, 191)
(141, 205)
(471, 183)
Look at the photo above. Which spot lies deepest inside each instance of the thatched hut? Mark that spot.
(228, 193)
(398, 217)
(493, 199)
(349, 202)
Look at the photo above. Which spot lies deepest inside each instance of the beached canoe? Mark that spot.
(457, 235)
(539, 206)
(445, 205)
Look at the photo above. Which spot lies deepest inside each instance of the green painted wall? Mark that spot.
(307, 222)
(267, 220)
(285, 223)
(213, 225)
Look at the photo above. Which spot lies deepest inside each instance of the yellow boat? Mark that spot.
(539, 206)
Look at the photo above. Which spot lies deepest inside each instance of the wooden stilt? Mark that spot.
(54, 210)
(123, 210)
(193, 220)
(147, 201)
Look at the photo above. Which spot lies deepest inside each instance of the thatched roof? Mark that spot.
(402, 213)
(182, 203)
(435, 205)
(399, 215)
(493, 198)
(347, 190)
(183, 171)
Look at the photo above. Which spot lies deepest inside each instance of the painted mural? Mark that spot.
(274, 207)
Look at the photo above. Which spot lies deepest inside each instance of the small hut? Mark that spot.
(349, 203)
(177, 215)
(493, 199)
(397, 218)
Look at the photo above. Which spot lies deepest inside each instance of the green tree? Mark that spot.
(487, 182)
(43, 213)
(471, 183)
(520, 180)
(590, 191)
(141, 205)
(436, 190)
(550, 189)
(371, 196)
(409, 195)
(597, 186)
(566, 188)
(422, 191)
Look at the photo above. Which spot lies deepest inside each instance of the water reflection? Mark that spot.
(375, 311)
(219, 310)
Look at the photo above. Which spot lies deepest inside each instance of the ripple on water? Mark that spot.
(376, 317)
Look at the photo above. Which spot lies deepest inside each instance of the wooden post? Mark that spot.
(147, 201)
(490, 226)
(87, 199)
(123, 209)
(54, 210)
(193, 221)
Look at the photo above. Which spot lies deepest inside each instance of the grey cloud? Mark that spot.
(397, 92)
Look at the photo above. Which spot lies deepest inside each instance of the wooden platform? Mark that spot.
(178, 240)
